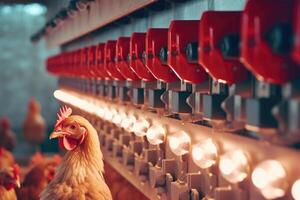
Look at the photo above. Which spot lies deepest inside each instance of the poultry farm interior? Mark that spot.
(150, 99)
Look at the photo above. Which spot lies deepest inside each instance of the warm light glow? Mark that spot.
(140, 127)
(296, 190)
(127, 123)
(91, 106)
(179, 143)
(269, 176)
(205, 153)
(100, 112)
(75, 101)
(234, 166)
(109, 114)
(156, 134)
(117, 118)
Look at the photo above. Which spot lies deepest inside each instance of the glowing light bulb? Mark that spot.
(269, 176)
(234, 166)
(123, 117)
(84, 103)
(179, 143)
(205, 153)
(128, 122)
(100, 112)
(296, 190)
(140, 127)
(156, 134)
(109, 114)
(117, 118)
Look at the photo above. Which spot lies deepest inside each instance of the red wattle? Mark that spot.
(69, 143)
(60, 142)
(9, 186)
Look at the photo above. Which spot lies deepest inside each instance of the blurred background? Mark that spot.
(23, 74)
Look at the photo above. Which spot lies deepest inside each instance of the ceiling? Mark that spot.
(45, 2)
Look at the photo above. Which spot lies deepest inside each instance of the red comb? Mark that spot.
(64, 113)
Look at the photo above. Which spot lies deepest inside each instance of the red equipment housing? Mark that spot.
(137, 49)
(109, 61)
(84, 62)
(219, 46)
(91, 64)
(181, 33)
(265, 47)
(156, 39)
(122, 63)
(100, 57)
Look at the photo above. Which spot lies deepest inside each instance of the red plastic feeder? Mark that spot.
(137, 49)
(156, 39)
(122, 64)
(109, 61)
(181, 33)
(100, 69)
(219, 46)
(265, 40)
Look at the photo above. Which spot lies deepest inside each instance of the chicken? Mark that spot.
(7, 136)
(38, 157)
(37, 179)
(9, 180)
(80, 173)
(6, 158)
(34, 125)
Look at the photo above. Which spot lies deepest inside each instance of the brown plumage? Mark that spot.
(37, 179)
(6, 158)
(7, 136)
(9, 180)
(7, 194)
(38, 158)
(79, 176)
(34, 124)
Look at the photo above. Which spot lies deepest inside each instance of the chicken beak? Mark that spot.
(18, 183)
(57, 134)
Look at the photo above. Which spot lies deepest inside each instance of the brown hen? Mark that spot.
(7, 136)
(9, 180)
(36, 180)
(79, 176)
(6, 158)
(34, 125)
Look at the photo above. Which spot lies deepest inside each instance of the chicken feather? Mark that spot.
(79, 176)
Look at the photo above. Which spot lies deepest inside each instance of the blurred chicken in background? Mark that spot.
(9, 180)
(40, 172)
(38, 158)
(6, 158)
(34, 126)
(7, 136)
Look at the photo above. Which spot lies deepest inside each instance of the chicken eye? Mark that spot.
(73, 127)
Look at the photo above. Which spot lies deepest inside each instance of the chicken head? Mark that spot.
(10, 177)
(68, 129)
